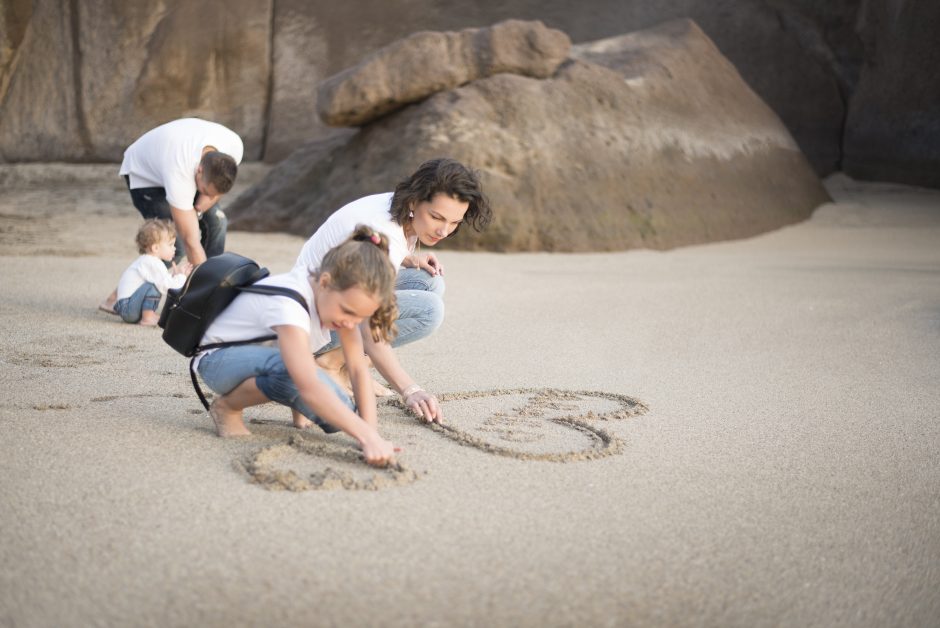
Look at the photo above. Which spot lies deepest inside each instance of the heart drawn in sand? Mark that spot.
(536, 423)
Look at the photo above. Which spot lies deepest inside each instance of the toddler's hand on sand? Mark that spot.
(377, 451)
(425, 406)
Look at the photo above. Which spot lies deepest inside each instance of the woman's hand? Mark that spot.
(425, 406)
(377, 451)
(429, 263)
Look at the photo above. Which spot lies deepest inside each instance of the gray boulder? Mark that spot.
(425, 63)
(893, 128)
(647, 140)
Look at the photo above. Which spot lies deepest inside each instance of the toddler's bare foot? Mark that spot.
(227, 422)
(149, 318)
(107, 306)
(300, 421)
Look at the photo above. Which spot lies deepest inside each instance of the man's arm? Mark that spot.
(187, 229)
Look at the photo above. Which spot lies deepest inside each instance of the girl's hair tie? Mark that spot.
(376, 240)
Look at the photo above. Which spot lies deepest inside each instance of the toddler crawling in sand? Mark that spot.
(147, 279)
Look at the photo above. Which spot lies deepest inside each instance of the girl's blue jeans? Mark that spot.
(224, 369)
(146, 297)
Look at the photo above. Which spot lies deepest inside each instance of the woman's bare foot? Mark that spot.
(300, 421)
(228, 422)
(381, 390)
(333, 364)
(149, 318)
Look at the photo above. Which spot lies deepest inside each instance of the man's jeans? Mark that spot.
(420, 307)
(213, 224)
(131, 309)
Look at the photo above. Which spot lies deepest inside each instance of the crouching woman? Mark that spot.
(355, 281)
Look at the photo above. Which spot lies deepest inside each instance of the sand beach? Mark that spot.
(744, 433)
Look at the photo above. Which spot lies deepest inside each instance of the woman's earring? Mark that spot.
(411, 215)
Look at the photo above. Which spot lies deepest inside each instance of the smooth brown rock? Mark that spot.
(648, 140)
(93, 76)
(422, 64)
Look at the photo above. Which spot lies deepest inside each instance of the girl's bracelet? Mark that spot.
(410, 391)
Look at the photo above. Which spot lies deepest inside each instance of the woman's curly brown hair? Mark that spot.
(362, 261)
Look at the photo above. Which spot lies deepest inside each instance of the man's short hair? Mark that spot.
(219, 170)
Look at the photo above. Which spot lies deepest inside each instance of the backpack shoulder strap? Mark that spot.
(277, 290)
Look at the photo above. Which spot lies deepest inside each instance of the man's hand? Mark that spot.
(204, 202)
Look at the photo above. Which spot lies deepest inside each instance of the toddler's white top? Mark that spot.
(147, 268)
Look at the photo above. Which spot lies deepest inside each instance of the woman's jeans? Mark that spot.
(224, 369)
(420, 307)
(152, 203)
(131, 309)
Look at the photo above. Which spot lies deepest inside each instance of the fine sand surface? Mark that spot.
(740, 434)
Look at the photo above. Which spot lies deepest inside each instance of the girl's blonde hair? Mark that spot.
(362, 261)
(153, 231)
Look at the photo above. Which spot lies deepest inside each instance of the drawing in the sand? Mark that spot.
(528, 424)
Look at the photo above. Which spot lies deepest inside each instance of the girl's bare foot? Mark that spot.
(228, 423)
(300, 421)
(149, 318)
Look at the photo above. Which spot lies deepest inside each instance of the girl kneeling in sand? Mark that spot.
(355, 281)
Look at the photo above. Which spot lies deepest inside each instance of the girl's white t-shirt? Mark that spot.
(369, 210)
(167, 157)
(147, 268)
(255, 315)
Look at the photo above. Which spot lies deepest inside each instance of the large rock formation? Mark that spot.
(422, 64)
(893, 126)
(79, 80)
(87, 78)
(646, 140)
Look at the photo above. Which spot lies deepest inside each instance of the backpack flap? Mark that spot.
(210, 288)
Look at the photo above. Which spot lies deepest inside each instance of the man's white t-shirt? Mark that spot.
(369, 210)
(167, 157)
(255, 315)
(147, 268)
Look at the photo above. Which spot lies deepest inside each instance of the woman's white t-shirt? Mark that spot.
(167, 157)
(369, 210)
(147, 268)
(256, 315)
